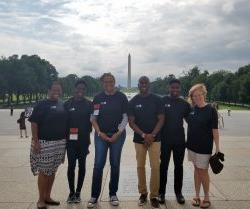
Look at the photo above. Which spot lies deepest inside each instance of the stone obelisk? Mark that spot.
(129, 71)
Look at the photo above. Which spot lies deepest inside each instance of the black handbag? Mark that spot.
(215, 162)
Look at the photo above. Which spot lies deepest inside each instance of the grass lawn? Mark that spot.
(232, 107)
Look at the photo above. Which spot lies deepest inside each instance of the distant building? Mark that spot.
(129, 71)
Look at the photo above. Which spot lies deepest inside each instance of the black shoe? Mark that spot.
(155, 203)
(77, 197)
(52, 202)
(92, 202)
(162, 199)
(142, 199)
(180, 199)
(44, 207)
(71, 198)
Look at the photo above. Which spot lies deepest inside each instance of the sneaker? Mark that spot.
(162, 199)
(114, 200)
(142, 199)
(77, 197)
(92, 202)
(180, 199)
(71, 198)
(155, 203)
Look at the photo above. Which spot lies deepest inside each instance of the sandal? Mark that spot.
(196, 202)
(40, 206)
(205, 204)
(52, 202)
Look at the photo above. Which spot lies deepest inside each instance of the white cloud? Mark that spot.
(163, 37)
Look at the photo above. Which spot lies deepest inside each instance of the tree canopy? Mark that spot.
(222, 85)
(26, 79)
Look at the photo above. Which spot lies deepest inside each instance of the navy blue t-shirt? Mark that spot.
(176, 109)
(146, 111)
(201, 122)
(109, 110)
(51, 118)
(79, 112)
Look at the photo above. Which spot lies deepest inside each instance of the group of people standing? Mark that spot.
(157, 123)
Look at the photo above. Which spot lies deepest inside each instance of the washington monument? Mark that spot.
(129, 71)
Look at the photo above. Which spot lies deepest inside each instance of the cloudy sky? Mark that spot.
(95, 36)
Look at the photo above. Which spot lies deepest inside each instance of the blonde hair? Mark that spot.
(200, 87)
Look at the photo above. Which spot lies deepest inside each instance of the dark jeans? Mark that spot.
(178, 156)
(101, 149)
(74, 153)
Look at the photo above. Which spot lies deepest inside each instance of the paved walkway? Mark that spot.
(230, 189)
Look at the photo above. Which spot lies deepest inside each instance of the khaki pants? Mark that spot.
(154, 158)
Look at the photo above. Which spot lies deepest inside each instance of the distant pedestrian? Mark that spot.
(229, 112)
(22, 125)
(220, 120)
(11, 110)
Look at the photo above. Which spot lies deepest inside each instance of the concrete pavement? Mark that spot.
(230, 189)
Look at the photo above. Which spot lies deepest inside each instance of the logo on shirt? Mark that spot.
(138, 106)
(53, 107)
(167, 105)
(191, 113)
(103, 103)
(72, 109)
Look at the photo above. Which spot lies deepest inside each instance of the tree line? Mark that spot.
(222, 85)
(25, 79)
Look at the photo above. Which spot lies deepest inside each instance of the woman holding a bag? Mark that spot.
(202, 133)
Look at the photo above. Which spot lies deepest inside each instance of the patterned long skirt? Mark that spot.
(47, 161)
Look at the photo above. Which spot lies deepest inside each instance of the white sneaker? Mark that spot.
(92, 202)
(114, 200)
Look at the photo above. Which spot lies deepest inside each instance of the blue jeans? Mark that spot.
(101, 149)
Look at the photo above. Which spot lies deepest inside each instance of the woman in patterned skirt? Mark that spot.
(48, 126)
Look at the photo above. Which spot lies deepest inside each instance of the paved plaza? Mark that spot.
(230, 189)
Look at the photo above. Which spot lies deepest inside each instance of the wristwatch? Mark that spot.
(143, 135)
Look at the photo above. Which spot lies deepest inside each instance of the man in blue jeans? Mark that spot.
(109, 120)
